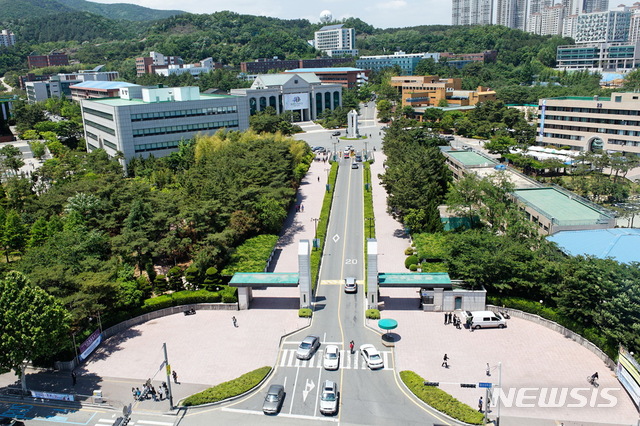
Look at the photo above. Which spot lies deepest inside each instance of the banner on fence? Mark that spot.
(90, 344)
(628, 373)
(51, 395)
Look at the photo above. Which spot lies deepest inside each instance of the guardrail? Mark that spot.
(70, 365)
(559, 329)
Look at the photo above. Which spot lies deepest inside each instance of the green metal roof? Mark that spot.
(557, 205)
(264, 279)
(415, 279)
(471, 158)
(580, 98)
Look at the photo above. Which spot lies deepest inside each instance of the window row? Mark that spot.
(97, 113)
(593, 120)
(594, 110)
(231, 109)
(110, 144)
(92, 136)
(184, 128)
(105, 129)
(145, 147)
(561, 136)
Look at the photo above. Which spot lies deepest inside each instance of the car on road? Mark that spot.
(448, 138)
(354, 165)
(371, 356)
(336, 133)
(359, 158)
(273, 400)
(329, 398)
(350, 285)
(331, 360)
(308, 347)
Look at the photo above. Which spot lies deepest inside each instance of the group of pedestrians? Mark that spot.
(149, 392)
(451, 318)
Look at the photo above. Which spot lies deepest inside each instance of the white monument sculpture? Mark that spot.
(352, 124)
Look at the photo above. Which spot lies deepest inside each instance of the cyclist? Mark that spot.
(593, 378)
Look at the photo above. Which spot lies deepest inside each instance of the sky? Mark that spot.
(379, 13)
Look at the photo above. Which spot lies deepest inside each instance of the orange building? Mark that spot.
(429, 90)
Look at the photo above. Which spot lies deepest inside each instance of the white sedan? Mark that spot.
(371, 356)
(331, 359)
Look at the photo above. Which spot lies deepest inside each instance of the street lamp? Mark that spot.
(315, 233)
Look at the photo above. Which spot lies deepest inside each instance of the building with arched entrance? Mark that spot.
(298, 92)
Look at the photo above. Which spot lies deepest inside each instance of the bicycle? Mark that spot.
(593, 381)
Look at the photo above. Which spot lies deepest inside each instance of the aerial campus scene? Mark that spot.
(395, 213)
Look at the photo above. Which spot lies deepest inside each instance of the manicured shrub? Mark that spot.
(229, 389)
(160, 284)
(192, 275)
(431, 246)
(174, 277)
(408, 251)
(212, 279)
(305, 313)
(440, 400)
(411, 260)
(413, 268)
(372, 314)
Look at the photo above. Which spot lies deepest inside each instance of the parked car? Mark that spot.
(331, 359)
(308, 347)
(321, 149)
(329, 398)
(483, 319)
(371, 356)
(336, 133)
(273, 400)
(448, 138)
(350, 285)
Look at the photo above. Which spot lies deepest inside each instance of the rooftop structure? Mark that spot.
(60, 84)
(621, 244)
(406, 61)
(97, 89)
(431, 90)
(348, 77)
(41, 61)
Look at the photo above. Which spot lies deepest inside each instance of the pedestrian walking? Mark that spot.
(175, 377)
(134, 394)
(488, 370)
(302, 208)
(160, 393)
(445, 360)
(480, 404)
(445, 318)
(297, 207)
(74, 378)
(351, 345)
(235, 321)
(138, 393)
(318, 178)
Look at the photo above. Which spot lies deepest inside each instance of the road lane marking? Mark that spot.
(151, 422)
(295, 383)
(348, 361)
(308, 387)
(293, 416)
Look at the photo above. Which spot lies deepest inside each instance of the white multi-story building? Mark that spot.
(406, 61)
(336, 40)
(604, 27)
(472, 12)
(547, 22)
(634, 25)
(59, 85)
(152, 120)
(569, 26)
(7, 38)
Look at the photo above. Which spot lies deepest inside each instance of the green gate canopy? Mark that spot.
(387, 324)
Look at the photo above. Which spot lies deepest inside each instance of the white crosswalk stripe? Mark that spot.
(348, 361)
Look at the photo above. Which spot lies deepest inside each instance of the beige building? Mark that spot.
(429, 90)
(591, 124)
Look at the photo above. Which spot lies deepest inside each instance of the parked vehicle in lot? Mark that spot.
(350, 285)
(483, 319)
(308, 347)
(336, 133)
(371, 356)
(274, 399)
(331, 360)
(329, 398)
(448, 138)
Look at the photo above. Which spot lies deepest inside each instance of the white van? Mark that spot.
(483, 319)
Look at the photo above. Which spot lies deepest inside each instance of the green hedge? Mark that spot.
(305, 313)
(252, 255)
(226, 295)
(323, 223)
(533, 307)
(369, 225)
(228, 389)
(430, 246)
(440, 400)
(410, 260)
(372, 313)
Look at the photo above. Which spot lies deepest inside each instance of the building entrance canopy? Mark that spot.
(415, 279)
(264, 279)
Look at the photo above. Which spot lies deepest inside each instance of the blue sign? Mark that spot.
(484, 385)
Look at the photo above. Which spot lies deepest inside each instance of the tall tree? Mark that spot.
(31, 324)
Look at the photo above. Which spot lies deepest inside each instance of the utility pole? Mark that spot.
(366, 151)
(499, 387)
(168, 370)
(334, 150)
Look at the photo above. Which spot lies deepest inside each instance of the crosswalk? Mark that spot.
(105, 422)
(348, 361)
